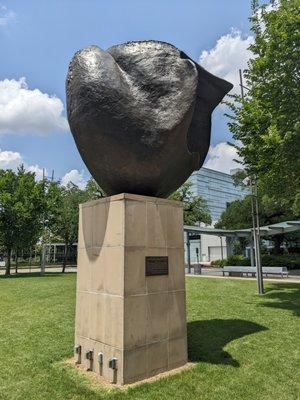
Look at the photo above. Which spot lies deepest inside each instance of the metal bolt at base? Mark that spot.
(100, 358)
(89, 355)
(77, 351)
(113, 363)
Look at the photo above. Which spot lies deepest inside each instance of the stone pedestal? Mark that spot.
(137, 322)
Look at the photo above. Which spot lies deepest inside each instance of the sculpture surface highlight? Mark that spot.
(140, 114)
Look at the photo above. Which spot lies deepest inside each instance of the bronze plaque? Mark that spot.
(157, 266)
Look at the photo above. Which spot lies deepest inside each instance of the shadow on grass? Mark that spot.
(206, 339)
(283, 295)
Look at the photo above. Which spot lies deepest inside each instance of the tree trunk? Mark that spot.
(7, 268)
(65, 258)
(30, 259)
(16, 262)
(278, 240)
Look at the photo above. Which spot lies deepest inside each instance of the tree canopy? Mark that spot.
(65, 221)
(195, 208)
(238, 215)
(266, 123)
(22, 204)
(93, 190)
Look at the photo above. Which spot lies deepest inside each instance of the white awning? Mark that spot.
(265, 231)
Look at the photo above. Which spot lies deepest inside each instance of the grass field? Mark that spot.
(246, 347)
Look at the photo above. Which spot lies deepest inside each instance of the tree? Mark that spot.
(64, 222)
(266, 123)
(238, 215)
(93, 190)
(195, 208)
(63, 210)
(21, 208)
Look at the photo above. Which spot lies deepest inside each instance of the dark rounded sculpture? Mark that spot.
(140, 114)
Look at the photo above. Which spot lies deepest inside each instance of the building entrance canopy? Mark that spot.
(265, 231)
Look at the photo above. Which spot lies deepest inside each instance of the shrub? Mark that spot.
(291, 261)
(219, 263)
(238, 260)
(232, 260)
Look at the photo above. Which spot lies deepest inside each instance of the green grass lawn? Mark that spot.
(245, 346)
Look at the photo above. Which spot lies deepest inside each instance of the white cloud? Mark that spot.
(6, 16)
(10, 160)
(231, 51)
(228, 56)
(26, 110)
(74, 176)
(221, 158)
(13, 159)
(39, 173)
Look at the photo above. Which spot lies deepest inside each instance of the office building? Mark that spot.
(218, 189)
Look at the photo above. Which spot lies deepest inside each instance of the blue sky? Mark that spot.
(38, 38)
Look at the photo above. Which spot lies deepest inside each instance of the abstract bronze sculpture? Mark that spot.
(140, 114)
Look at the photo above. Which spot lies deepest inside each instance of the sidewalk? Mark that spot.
(35, 270)
(294, 276)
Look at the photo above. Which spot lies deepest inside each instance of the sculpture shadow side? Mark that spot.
(206, 339)
(94, 224)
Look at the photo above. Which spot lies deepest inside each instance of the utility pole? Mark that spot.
(256, 234)
(241, 83)
(255, 217)
(188, 244)
(43, 255)
(221, 241)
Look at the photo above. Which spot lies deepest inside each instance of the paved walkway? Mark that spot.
(33, 270)
(294, 276)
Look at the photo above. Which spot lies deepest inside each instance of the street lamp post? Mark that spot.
(44, 247)
(256, 236)
(255, 216)
(222, 254)
(188, 244)
(255, 232)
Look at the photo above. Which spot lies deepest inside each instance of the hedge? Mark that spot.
(291, 261)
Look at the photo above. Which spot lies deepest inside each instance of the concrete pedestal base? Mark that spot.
(130, 326)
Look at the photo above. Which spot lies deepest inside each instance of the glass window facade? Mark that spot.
(217, 188)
